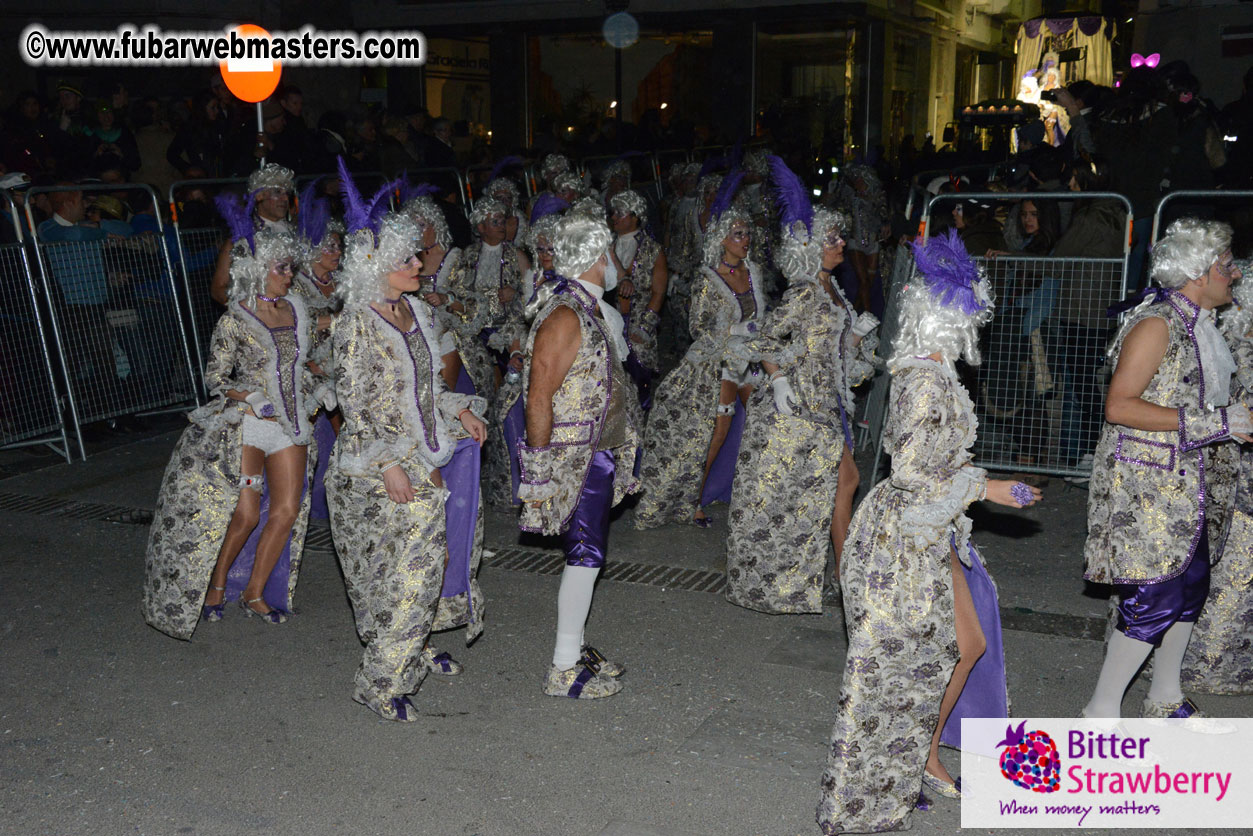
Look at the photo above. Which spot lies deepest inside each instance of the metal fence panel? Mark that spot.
(116, 319)
(30, 409)
(1233, 206)
(1039, 391)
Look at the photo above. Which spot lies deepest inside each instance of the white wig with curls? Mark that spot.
(426, 214)
(720, 228)
(800, 252)
(363, 278)
(504, 190)
(567, 180)
(579, 242)
(553, 165)
(617, 168)
(272, 176)
(630, 201)
(484, 209)
(1187, 250)
(546, 228)
(928, 324)
(250, 266)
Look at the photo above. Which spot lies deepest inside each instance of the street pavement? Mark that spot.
(109, 727)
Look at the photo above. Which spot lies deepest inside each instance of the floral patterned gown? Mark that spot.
(896, 575)
(788, 468)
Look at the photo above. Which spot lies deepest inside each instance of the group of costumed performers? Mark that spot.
(642, 289)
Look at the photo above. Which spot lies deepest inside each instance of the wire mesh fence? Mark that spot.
(114, 311)
(30, 409)
(1039, 392)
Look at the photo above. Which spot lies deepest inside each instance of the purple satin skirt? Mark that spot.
(985, 694)
(324, 435)
(722, 474)
(1147, 611)
(643, 378)
(465, 385)
(461, 511)
(275, 593)
(587, 539)
(515, 431)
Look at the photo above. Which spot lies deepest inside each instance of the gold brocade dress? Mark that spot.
(897, 580)
(396, 409)
(789, 465)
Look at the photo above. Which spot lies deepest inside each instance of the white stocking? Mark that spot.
(574, 601)
(1123, 657)
(1167, 662)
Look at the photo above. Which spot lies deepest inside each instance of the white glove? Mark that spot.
(1239, 420)
(744, 329)
(784, 397)
(865, 323)
(325, 395)
(261, 406)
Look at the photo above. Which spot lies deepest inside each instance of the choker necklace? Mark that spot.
(271, 299)
(732, 267)
(327, 282)
(387, 301)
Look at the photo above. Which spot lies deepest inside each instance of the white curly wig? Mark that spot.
(617, 168)
(426, 213)
(1237, 321)
(799, 255)
(708, 185)
(553, 165)
(588, 207)
(366, 262)
(927, 325)
(505, 186)
(630, 201)
(567, 180)
(546, 228)
(250, 265)
(1187, 250)
(757, 161)
(720, 228)
(578, 242)
(484, 209)
(272, 176)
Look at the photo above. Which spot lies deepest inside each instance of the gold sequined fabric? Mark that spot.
(896, 575)
(787, 473)
(681, 423)
(1144, 512)
(553, 476)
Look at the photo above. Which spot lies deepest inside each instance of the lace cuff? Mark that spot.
(930, 522)
(1199, 427)
(536, 465)
(452, 403)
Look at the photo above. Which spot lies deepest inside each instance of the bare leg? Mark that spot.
(243, 521)
(722, 426)
(861, 266)
(845, 490)
(970, 645)
(451, 371)
(285, 474)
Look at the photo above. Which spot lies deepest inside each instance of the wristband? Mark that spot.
(464, 411)
(777, 374)
(386, 466)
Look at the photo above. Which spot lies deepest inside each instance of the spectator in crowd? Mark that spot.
(75, 259)
(27, 142)
(199, 147)
(419, 119)
(153, 136)
(363, 153)
(230, 109)
(1238, 119)
(1200, 151)
(976, 223)
(394, 156)
(112, 144)
(439, 152)
(296, 134)
(68, 128)
(330, 141)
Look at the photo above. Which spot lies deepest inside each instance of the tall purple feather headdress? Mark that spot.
(238, 216)
(409, 191)
(950, 273)
(360, 213)
(315, 213)
(499, 168)
(710, 164)
(547, 204)
(790, 196)
(726, 193)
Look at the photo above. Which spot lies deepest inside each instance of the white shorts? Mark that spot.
(267, 436)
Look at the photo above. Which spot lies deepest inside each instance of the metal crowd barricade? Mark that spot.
(1211, 198)
(30, 408)
(113, 304)
(1039, 390)
(452, 179)
(475, 183)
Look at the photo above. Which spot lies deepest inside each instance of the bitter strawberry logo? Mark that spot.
(1030, 759)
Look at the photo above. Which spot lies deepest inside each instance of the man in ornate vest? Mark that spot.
(1154, 500)
(643, 288)
(581, 438)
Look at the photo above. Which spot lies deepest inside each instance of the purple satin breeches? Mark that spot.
(587, 538)
(1147, 611)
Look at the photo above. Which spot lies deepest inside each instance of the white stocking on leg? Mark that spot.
(1167, 662)
(1123, 657)
(574, 601)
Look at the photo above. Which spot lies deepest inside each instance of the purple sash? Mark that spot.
(515, 430)
(461, 511)
(275, 593)
(324, 435)
(722, 474)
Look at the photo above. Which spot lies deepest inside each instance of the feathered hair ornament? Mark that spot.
(360, 213)
(712, 163)
(376, 243)
(726, 192)
(499, 168)
(315, 213)
(790, 196)
(238, 216)
(547, 204)
(253, 248)
(951, 274)
(408, 191)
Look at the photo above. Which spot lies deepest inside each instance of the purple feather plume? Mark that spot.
(315, 213)
(356, 210)
(408, 191)
(710, 164)
(949, 271)
(499, 168)
(380, 204)
(547, 204)
(238, 216)
(790, 196)
(726, 193)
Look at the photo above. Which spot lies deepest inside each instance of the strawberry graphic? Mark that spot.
(1030, 759)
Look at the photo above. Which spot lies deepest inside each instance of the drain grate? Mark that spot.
(48, 506)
